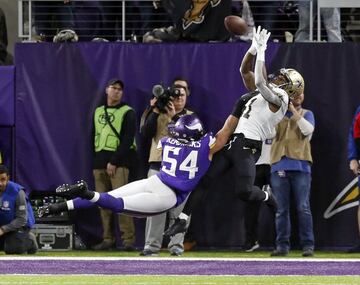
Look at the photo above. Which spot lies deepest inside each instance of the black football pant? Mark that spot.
(252, 208)
(238, 156)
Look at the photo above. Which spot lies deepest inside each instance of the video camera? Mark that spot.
(164, 96)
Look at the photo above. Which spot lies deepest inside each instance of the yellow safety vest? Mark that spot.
(105, 138)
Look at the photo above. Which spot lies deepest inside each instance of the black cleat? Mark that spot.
(51, 209)
(251, 246)
(71, 191)
(43, 211)
(271, 201)
(178, 227)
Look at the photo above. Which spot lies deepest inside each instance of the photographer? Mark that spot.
(167, 105)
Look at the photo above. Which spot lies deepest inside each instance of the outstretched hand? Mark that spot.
(254, 42)
(262, 38)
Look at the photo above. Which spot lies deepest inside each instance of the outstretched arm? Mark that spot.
(246, 71)
(223, 135)
(247, 64)
(260, 79)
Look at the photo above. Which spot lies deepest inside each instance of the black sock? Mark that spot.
(88, 195)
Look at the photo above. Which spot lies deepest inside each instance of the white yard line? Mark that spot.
(95, 258)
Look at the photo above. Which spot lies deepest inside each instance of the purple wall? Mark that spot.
(59, 85)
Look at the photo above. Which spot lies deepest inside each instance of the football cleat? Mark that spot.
(43, 211)
(271, 201)
(51, 209)
(73, 190)
(251, 246)
(178, 227)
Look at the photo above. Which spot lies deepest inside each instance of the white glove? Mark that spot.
(254, 42)
(262, 40)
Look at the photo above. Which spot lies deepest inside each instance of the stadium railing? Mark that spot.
(26, 15)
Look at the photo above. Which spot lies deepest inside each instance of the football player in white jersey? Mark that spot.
(252, 120)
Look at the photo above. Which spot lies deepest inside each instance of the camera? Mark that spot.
(164, 95)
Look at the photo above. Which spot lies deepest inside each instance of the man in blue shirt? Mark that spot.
(291, 162)
(16, 217)
(353, 157)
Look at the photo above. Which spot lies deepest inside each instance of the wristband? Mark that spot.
(252, 50)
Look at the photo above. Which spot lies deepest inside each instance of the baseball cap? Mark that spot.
(115, 81)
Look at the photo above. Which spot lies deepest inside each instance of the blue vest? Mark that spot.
(8, 205)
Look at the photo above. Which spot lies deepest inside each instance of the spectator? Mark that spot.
(114, 156)
(16, 217)
(5, 57)
(201, 21)
(291, 176)
(88, 19)
(3, 29)
(267, 15)
(155, 128)
(331, 19)
(112, 19)
(252, 208)
(50, 17)
(354, 157)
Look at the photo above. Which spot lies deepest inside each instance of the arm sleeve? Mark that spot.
(149, 128)
(127, 136)
(307, 124)
(20, 214)
(262, 86)
(240, 104)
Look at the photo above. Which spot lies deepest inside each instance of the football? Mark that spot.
(235, 25)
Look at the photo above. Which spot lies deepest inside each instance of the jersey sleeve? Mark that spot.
(212, 140)
(240, 104)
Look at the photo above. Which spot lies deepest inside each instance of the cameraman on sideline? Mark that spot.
(154, 126)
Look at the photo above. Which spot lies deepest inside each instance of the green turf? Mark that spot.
(212, 253)
(178, 280)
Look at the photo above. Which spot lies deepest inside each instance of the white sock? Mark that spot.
(70, 205)
(96, 197)
(183, 216)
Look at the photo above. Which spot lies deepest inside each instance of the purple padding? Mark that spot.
(7, 74)
(179, 267)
